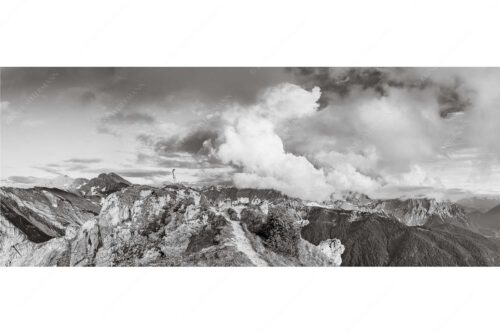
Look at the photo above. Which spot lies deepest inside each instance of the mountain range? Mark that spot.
(108, 221)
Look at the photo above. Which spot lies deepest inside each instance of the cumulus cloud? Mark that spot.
(485, 110)
(402, 126)
(416, 177)
(253, 145)
(326, 130)
(251, 142)
(374, 128)
(372, 133)
(405, 115)
(447, 85)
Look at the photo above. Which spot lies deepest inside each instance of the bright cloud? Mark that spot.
(251, 142)
(307, 132)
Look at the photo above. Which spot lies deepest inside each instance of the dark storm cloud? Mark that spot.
(451, 100)
(342, 82)
(209, 84)
(22, 84)
(27, 77)
(147, 86)
(196, 142)
(192, 150)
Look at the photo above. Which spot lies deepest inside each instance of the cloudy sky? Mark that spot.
(305, 131)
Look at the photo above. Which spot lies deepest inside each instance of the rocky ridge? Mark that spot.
(170, 226)
(411, 212)
(106, 221)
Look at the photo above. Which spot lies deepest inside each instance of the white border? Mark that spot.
(249, 33)
(249, 299)
(256, 33)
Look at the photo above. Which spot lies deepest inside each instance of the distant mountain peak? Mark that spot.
(102, 185)
(113, 177)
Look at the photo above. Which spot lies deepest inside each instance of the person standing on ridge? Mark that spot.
(173, 176)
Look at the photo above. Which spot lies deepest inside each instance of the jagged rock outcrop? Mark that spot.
(75, 186)
(333, 249)
(350, 201)
(417, 212)
(219, 195)
(222, 226)
(44, 213)
(34, 224)
(411, 212)
(170, 226)
(84, 244)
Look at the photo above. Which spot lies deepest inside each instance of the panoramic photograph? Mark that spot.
(258, 166)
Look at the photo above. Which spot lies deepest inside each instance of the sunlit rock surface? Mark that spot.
(177, 225)
(147, 226)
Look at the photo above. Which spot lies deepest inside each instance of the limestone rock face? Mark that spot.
(55, 252)
(44, 213)
(418, 212)
(17, 250)
(147, 226)
(411, 212)
(333, 249)
(84, 244)
(34, 223)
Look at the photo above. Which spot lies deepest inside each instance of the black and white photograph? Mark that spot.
(250, 167)
(236, 166)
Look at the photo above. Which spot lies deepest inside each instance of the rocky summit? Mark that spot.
(107, 221)
(146, 226)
